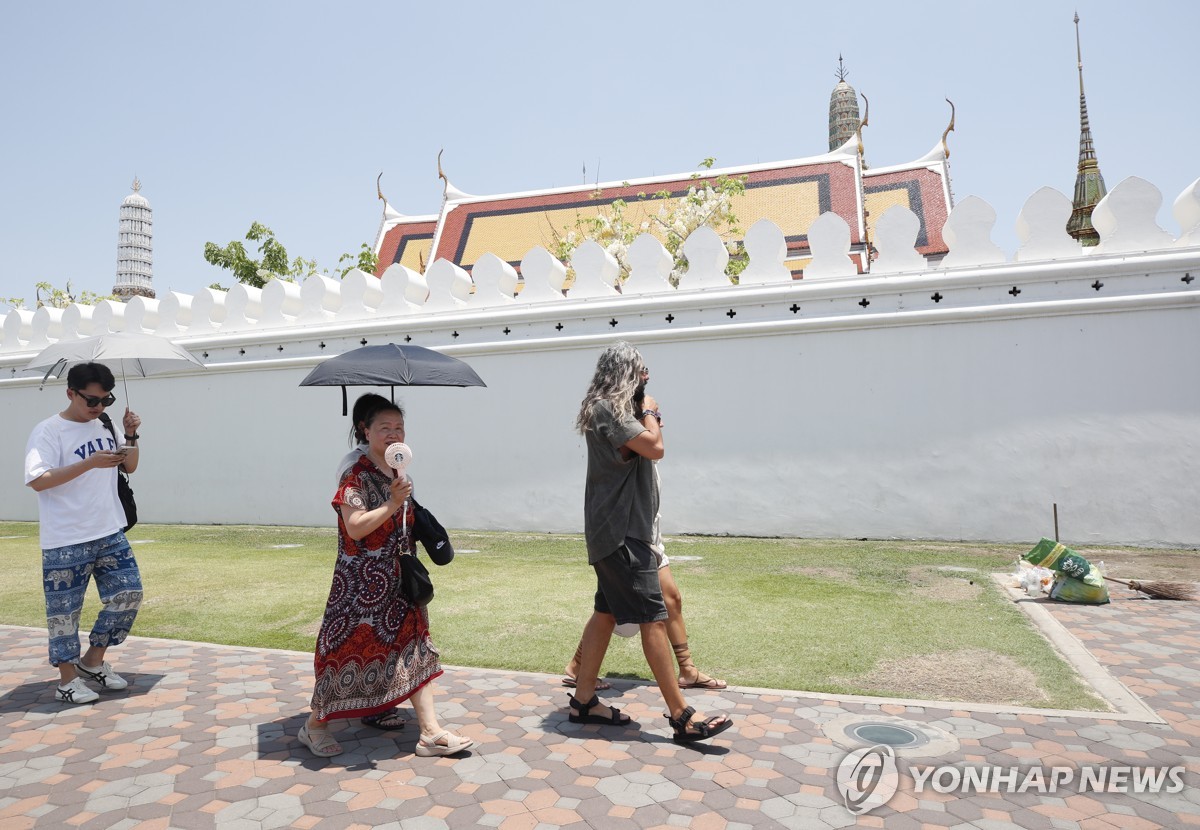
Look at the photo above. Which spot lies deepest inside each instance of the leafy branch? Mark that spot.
(273, 261)
(706, 202)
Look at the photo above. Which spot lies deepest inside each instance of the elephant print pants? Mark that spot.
(66, 572)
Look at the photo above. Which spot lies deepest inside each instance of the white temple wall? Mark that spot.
(967, 430)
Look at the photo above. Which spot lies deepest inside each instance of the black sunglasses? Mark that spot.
(107, 400)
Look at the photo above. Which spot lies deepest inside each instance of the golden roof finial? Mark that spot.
(842, 71)
(949, 129)
(137, 185)
(379, 191)
(442, 175)
(863, 123)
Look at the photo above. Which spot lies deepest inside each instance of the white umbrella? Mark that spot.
(140, 355)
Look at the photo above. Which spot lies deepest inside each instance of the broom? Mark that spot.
(1155, 590)
(1160, 590)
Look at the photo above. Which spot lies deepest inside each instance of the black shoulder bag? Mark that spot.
(415, 584)
(124, 491)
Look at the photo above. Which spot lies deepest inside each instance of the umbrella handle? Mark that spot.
(60, 363)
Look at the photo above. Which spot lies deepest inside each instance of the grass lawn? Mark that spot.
(827, 616)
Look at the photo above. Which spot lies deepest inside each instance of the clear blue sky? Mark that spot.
(285, 112)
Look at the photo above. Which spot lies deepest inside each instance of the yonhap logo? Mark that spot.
(867, 778)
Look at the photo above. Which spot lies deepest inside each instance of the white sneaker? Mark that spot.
(76, 692)
(108, 679)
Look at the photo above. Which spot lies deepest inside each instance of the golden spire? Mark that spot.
(1089, 183)
(843, 109)
(1078, 53)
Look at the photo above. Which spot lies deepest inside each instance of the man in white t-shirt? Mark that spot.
(71, 460)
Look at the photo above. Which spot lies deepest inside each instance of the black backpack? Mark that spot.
(124, 491)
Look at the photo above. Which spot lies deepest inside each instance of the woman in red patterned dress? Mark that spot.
(373, 650)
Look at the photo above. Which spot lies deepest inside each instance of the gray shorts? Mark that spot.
(627, 584)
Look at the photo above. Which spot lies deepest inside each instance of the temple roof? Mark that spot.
(791, 193)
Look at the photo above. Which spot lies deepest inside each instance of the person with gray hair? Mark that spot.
(620, 424)
(690, 677)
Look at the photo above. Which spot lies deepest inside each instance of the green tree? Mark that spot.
(273, 261)
(366, 261)
(49, 295)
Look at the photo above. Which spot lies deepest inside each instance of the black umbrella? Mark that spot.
(391, 365)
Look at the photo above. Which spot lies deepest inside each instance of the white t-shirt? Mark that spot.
(349, 460)
(87, 507)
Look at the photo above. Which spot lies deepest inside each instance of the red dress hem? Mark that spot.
(375, 710)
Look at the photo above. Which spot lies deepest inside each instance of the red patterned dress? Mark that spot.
(373, 650)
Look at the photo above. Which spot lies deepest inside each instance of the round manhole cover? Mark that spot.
(885, 733)
(918, 740)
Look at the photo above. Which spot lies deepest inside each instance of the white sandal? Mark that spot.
(428, 747)
(319, 741)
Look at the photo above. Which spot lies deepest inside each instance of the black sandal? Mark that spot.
(699, 731)
(389, 721)
(614, 719)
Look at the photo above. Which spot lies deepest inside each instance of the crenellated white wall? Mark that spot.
(954, 402)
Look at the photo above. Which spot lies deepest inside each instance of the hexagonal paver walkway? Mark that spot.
(205, 738)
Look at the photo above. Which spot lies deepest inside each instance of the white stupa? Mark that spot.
(135, 252)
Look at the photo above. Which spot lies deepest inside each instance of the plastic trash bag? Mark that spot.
(1076, 579)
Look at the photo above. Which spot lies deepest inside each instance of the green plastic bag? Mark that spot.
(1058, 557)
(1076, 580)
(1070, 589)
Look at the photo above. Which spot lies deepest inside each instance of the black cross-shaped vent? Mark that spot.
(795, 308)
(1014, 291)
(613, 322)
(559, 327)
(731, 314)
(1097, 285)
(1187, 278)
(454, 335)
(507, 330)
(864, 302)
(362, 342)
(936, 296)
(670, 318)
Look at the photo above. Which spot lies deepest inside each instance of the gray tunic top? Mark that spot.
(621, 496)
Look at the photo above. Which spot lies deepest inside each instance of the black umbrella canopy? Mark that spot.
(392, 365)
